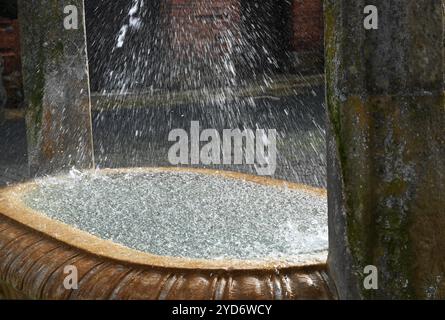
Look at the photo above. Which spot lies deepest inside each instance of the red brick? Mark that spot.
(10, 52)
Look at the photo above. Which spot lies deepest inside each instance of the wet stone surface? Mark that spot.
(184, 214)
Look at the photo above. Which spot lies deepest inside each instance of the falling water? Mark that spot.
(158, 65)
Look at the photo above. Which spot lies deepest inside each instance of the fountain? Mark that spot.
(215, 230)
(137, 233)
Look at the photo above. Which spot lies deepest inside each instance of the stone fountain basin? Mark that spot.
(163, 233)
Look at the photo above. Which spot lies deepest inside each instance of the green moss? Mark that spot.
(58, 51)
(396, 187)
(390, 147)
(41, 51)
(376, 228)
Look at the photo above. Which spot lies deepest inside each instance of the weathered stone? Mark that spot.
(56, 86)
(386, 144)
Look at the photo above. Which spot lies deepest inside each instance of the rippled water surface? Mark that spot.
(184, 214)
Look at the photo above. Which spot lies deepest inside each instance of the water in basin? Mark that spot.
(187, 214)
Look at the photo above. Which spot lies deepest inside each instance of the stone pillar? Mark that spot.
(56, 85)
(386, 145)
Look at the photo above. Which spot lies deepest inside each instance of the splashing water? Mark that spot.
(158, 65)
(186, 214)
(227, 64)
(134, 22)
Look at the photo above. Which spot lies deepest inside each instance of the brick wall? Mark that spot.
(202, 40)
(200, 22)
(200, 25)
(10, 52)
(202, 31)
(200, 35)
(307, 24)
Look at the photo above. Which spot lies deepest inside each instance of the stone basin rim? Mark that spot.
(12, 207)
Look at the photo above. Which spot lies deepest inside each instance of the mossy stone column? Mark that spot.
(386, 145)
(56, 85)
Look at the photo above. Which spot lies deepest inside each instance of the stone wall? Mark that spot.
(10, 54)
